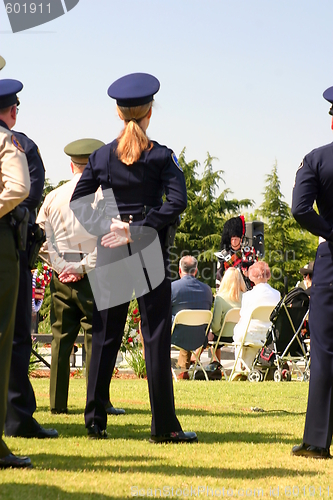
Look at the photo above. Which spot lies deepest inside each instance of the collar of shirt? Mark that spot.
(4, 125)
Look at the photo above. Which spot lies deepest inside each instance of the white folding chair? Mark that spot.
(262, 314)
(191, 341)
(231, 317)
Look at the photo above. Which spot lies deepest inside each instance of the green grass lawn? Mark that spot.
(240, 454)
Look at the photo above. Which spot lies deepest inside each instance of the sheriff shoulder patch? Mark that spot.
(17, 144)
(175, 160)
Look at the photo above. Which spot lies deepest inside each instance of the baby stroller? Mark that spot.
(287, 343)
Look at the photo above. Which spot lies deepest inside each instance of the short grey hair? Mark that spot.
(188, 264)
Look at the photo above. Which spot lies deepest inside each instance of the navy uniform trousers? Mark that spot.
(21, 397)
(9, 281)
(319, 416)
(108, 329)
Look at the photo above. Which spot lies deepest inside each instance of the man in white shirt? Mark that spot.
(262, 294)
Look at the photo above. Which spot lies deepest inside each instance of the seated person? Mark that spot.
(307, 272)
(262, 294)
(228, 297)
(188, 293)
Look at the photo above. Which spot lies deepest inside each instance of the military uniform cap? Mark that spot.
(80, 150)
(328, 95)
(135, 89)
(8, 91)
(2, 63)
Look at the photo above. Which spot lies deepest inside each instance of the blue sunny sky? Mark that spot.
(241, 79)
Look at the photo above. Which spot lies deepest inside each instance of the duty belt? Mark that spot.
(133, 218)
(73, 257)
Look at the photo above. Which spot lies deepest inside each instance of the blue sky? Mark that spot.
(242, 80)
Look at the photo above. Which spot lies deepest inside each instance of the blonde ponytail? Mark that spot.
(133, 140)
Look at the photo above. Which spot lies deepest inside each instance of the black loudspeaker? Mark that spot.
(254, 237)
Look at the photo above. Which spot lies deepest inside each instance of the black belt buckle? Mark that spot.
(127, 218)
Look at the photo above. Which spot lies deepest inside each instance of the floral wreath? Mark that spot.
(40, 279)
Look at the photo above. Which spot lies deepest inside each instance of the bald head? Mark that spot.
(188, 265)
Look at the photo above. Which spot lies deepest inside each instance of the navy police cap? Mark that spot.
(328, 95)
(135, 89)
(8, 91)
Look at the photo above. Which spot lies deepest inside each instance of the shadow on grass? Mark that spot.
(157, 465)
(191, 411)
(14, 491)
(140, 432)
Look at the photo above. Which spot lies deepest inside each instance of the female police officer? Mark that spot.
(134, 174)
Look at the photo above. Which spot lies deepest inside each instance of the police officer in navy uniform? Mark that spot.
(138, 172)
(14, 188)
(21, 398)
(314, 183)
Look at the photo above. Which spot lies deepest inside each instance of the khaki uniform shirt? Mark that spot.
(14, 172)
(65, 235)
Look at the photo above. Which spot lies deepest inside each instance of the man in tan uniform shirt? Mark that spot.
(14, 188)
(71, 253)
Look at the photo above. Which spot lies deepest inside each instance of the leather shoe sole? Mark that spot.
(95, 432)
(111, 410)
(309, 451)
(175, 437)
(16, 462)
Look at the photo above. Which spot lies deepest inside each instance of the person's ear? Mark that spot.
(150, 112)
(13, 113)
(72, 167)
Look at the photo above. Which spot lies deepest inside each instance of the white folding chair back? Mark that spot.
(262, 314)
(192, 317)
(232, 316)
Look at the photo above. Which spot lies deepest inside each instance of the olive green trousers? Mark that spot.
(71, 309)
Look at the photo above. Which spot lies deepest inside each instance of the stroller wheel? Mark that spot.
(277, 376)
(255, 376)
(286, 375)
(306, 376)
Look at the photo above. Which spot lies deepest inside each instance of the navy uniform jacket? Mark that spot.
(37, 174)
(314, 182)
(134, 187)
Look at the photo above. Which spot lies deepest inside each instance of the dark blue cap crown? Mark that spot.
(8, 91)
(328, 95)
(135, 89)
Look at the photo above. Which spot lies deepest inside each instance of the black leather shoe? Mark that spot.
(55, 411)
(175, 437)
(38, 432)
(95, 432)
(111, 410)
(13, 461)
(307, 450)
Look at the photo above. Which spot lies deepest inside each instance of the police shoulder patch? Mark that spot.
(175, 160)
(17, 144)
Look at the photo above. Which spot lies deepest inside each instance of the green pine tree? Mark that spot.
(287, 246)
